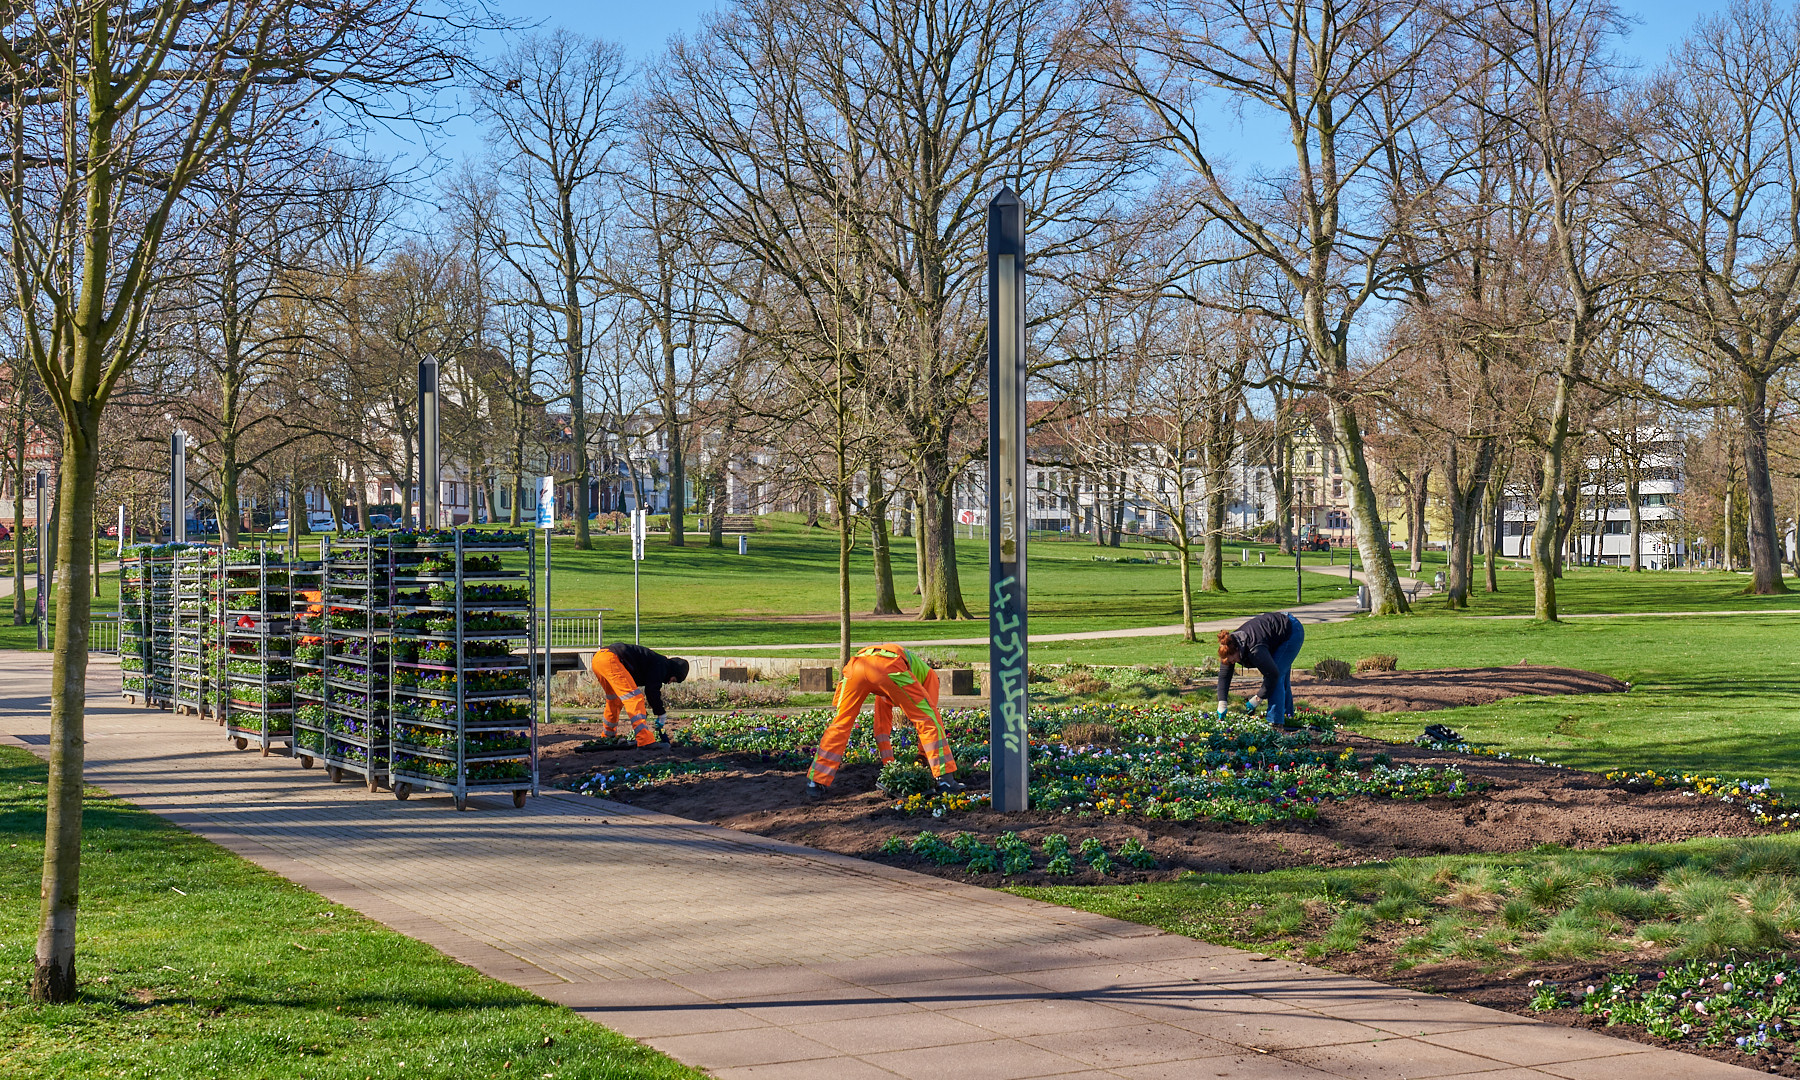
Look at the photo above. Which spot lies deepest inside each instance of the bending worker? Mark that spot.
(894, 676)
(1269, 643)
(633, 677)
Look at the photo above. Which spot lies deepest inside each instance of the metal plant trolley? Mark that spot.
(135, 633)
(465, 696)
(159, 688)
(358, 593)
(256, 681)
(193, 627)
(306, 583)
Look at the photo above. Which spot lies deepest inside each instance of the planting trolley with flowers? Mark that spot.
(349, 660)
(255, 671)
(465, 700)
(195, 625)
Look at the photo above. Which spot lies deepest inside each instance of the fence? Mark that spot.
(103, 632)
(577, 628)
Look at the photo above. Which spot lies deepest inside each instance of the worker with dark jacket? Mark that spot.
(633, 677)
(1269, 643)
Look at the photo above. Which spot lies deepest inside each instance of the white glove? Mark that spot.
(1222, 707)
(1252, 704)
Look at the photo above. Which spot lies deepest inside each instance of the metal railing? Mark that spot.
(577, 628)
(103, 632)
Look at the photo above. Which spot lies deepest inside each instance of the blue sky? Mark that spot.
(643, 26)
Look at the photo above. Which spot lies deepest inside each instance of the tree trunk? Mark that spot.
(921, 557)
(20, 618)
(1570, 506)
(1284, 493)
(1729, 529)
(1212, 546)
(841, 495)
(53, 972)
(1764, 537)
(1496, 526)
(1184, 549)
(1416, 512)
(943, 585)
(1544, 556)
(1633, 495)
(887, 602)
(1385, 595)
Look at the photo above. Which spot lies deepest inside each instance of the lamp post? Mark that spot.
(178, 486)
(428, 443)
(1007, 631)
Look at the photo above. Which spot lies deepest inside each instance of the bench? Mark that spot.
(737, 523)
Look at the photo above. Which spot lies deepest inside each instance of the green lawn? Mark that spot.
(196, 963)
(785, 589)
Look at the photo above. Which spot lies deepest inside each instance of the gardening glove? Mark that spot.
(1250, 706)
(661, 732)
(1222, 707)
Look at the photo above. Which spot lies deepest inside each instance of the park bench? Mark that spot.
(737, 523)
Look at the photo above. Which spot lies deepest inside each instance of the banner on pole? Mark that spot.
(546, 518)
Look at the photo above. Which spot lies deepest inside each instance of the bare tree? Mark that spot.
(555, 109)
(1723, 190)
(1343, 82)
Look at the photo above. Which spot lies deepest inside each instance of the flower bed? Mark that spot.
(1752, 1005)
(1160, 761)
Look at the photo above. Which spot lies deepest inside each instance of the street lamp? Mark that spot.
(429, 465)
(178, 486)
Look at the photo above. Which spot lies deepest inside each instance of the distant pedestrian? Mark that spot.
(1269, 643)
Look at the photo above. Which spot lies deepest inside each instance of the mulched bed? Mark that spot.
(1451, 688)
(1527, 805)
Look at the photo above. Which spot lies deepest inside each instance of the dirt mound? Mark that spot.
(1449, 688)
(1526, 805)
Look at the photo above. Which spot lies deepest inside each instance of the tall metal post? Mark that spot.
(43, 564)
(1008, 742)
(429, 464)
(178, 487)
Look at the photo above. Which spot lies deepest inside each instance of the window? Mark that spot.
(1618, 528)
(1655, 500)
(1337, 489)
(1309, 459)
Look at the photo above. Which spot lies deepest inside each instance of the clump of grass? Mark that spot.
(1284, 918)
(1331, 670)
(1346, 933)
(1090, 733)
(1766, 855)
(1348, 714)
(1551, 891)
(1378, 662)
(1521, 914)
(1571, 935)
(1623, 902)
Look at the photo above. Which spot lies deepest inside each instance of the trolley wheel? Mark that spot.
(519, 797)
(334, 774)
(241, 743)
(265, 751)
(306, 761)
(462, 802)
(402, 791)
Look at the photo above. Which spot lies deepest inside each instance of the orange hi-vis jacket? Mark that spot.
(893, 676)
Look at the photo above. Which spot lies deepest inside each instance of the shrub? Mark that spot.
(1378, 662)
(713, 694)
(1083, 684)
(1089, 733)
(1331, 670)
(1349, 714)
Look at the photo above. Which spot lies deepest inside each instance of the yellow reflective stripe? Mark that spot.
(827, 755)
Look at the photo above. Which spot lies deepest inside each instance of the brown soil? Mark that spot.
(1526, 805)
(1422, 691)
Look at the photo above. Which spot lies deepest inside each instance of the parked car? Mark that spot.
(380, 521)
(321, 521)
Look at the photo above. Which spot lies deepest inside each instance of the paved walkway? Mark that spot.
(1325, 611)
(748, 957)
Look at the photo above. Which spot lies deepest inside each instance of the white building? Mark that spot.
(1601, 534)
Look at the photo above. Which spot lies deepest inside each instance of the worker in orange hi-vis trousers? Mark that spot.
(893, 676)
(633, 677)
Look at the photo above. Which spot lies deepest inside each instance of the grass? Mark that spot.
(1698, 898)
(785, 589)
(196, 963)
